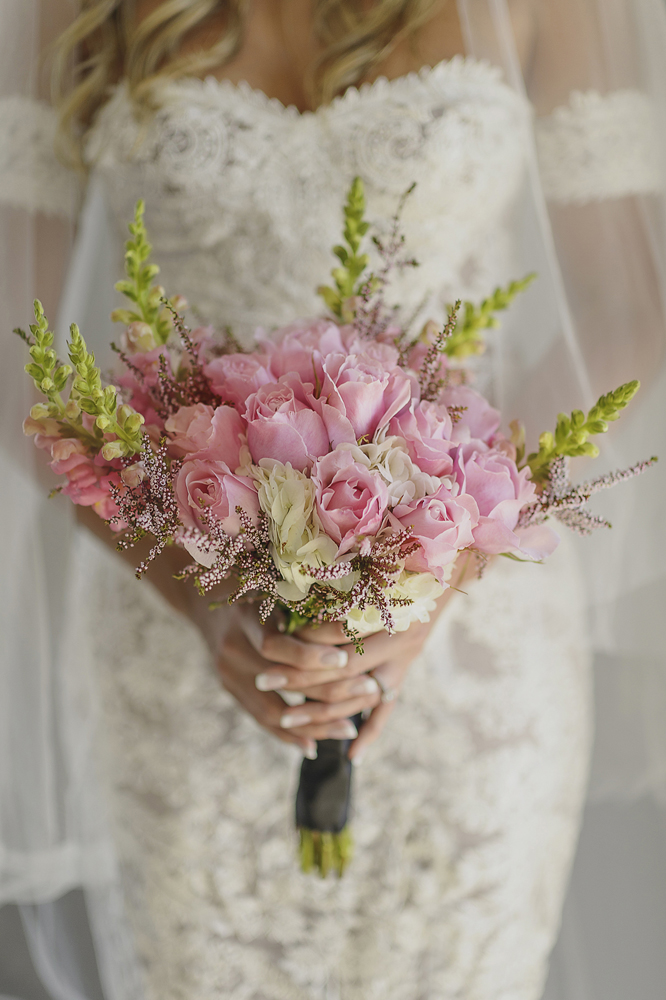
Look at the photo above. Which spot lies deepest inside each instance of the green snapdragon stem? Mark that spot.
(322, 808)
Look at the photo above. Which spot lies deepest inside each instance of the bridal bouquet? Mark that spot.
(335, 472)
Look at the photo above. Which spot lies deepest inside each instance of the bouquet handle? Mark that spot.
(322, 807)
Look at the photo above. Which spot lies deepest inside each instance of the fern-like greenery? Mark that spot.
(86, 395)
(572, 432)
(138, 287)
(352, 263)
(467, 338)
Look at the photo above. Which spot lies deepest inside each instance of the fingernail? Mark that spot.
(345, 730)
(334, 658)
(358, 759)
(294, 719)
(310, 752)
(270, 682)
(365, 685)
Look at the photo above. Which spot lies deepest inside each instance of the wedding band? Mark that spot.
(388, 694)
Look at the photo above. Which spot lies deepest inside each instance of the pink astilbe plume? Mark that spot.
(561, 500)
(247, 556)
(146, 502)
(378, 564)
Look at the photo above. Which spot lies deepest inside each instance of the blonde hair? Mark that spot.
(104, 42)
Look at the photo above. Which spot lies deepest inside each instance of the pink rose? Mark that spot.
(322, 335)
(359, 396)
(207, 483)
(501, 491)
(442, 524)
(281, 425)
(216, 433)
(235, 376)
(479, 419)
(351, 500)
(427, 430)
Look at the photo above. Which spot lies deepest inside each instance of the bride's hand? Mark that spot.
(260, 659)
(255, 661)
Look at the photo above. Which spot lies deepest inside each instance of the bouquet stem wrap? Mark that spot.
(322, 807)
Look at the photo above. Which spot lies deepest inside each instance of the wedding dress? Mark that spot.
(468, 807)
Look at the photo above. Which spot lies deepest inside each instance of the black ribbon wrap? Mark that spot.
(323, 804)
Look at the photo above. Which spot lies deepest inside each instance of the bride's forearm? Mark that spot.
(181, 596)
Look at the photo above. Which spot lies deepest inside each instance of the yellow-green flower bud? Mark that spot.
(124, 412)
(134, 422)
(113, 449)
(72, 409)
(40, 411)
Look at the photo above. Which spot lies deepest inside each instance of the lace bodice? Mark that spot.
(244, 195)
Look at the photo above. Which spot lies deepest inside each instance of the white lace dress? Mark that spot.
(467, 808)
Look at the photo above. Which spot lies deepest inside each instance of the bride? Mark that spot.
(241, 125)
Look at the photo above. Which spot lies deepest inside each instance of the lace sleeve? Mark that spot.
(597, 147)
(31, 176)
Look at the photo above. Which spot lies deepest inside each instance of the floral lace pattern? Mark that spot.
(466, 809)
(244, 195)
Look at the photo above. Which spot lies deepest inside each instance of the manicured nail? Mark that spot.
(270, 682)
(344, 730)
(310, 752)
(295, 719)
(334, 658)
(365, 685)
(358, 759)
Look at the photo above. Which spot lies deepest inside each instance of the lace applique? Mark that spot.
(466, 813)
(31, 176)
(599, 147)
(243, 194)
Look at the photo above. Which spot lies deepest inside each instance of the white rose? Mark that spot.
(423, 589)
(287, 496)
(390, 458)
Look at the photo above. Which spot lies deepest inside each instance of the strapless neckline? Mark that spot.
(464, 66)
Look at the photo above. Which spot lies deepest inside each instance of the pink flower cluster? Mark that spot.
(314, 397)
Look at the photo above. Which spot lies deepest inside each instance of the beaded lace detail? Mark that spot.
(598, 147)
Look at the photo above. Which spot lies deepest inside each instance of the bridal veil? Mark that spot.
(591, 220)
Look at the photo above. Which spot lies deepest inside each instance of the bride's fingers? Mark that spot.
(344, 690)
(280, 648)
(301, 718)
(370, 730)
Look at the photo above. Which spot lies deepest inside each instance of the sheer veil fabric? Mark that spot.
(590, 220)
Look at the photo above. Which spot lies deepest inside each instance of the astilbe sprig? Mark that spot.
(560, 499)
(378, 564)
(370, 313)
(191, 385)
(247, 556)
(149, 507)
(430, 384)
